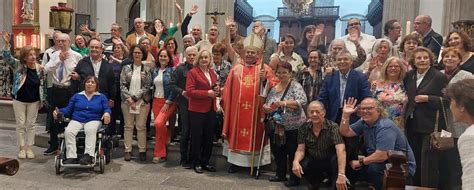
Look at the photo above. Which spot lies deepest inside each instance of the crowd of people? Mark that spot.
(329, 113)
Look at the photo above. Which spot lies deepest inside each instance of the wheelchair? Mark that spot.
(101, 155)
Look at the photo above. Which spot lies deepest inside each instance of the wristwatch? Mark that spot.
(361, 161)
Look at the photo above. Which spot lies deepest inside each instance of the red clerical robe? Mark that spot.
(240, 98)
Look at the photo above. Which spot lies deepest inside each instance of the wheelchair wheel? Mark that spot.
(57, 164)
(102, 164)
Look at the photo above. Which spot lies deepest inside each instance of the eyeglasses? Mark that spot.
(137, 52)
(353, 24)
(282, 73)
(366, 108)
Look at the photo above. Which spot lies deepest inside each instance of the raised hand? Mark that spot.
(349, 106)
(6, 37)
(319, 30)
(229, 21)
(194, 10)
(354, 34)
(159, 28)
(178, 7)
(85, 28)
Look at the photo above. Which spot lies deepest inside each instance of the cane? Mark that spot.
(257, 173)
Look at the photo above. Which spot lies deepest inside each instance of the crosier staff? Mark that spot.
(262, 94)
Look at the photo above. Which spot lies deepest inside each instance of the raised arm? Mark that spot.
(180, 14)
(348, 109)
(230, 50)
(187, 19)
(318, 31)
(7, 55)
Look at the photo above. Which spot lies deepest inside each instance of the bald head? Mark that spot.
(422, 24)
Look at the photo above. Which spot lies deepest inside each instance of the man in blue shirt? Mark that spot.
(380, 136)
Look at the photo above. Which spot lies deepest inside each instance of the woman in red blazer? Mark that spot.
(202, 90)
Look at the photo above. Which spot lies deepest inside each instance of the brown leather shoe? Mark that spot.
(127, 156)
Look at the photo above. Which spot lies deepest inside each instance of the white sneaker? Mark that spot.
(30, 154)
(22, 154)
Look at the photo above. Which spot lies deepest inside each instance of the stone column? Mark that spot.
(456, 10)
(452, 13)
(122, 10)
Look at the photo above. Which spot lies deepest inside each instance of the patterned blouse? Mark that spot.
(310, 85)
(222, 71)
(292, 119)
(393, 98)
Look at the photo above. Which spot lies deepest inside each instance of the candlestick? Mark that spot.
(408, 27)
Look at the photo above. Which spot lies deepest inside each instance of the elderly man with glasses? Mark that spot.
(380, 136)
(356, 38)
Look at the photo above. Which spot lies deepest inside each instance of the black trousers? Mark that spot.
(202, 133)
(427, 160)
(60, 98)
(115, 128)
(314, 170)
(184, 144)
(49, 116)
(285, 154)
(219, 125)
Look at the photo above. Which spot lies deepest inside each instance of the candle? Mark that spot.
(408, 27)
(171, 24)
(325, 39)
(33, 41)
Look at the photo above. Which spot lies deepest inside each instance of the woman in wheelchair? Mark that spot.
(87, 109)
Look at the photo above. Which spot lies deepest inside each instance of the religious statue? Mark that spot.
(27, 13)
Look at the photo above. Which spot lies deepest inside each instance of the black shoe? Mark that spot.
(209, 168)
(198, 169)
(70, 161)
(142, 156)
(277, 179)
(85, 160)
(233, 168)
(186, 165)
(292, 183)
(50, 151)
(127, 156)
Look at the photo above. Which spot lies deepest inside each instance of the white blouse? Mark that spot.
(158, 82)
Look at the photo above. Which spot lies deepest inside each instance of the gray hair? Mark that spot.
(379, 105)
(376, 46)
(333, 42)
(316, 102)
(190, 48)
(345, 52)
(189, 36)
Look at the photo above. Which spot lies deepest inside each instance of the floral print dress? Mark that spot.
(393, 98)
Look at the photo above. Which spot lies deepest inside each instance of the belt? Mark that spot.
(60, 86)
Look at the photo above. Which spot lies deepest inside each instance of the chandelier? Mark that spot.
(298, 6)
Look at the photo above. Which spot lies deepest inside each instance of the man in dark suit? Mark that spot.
(431, 39)
(341, 85)
(100, 68)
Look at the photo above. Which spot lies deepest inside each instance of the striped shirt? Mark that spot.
(320, 147)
